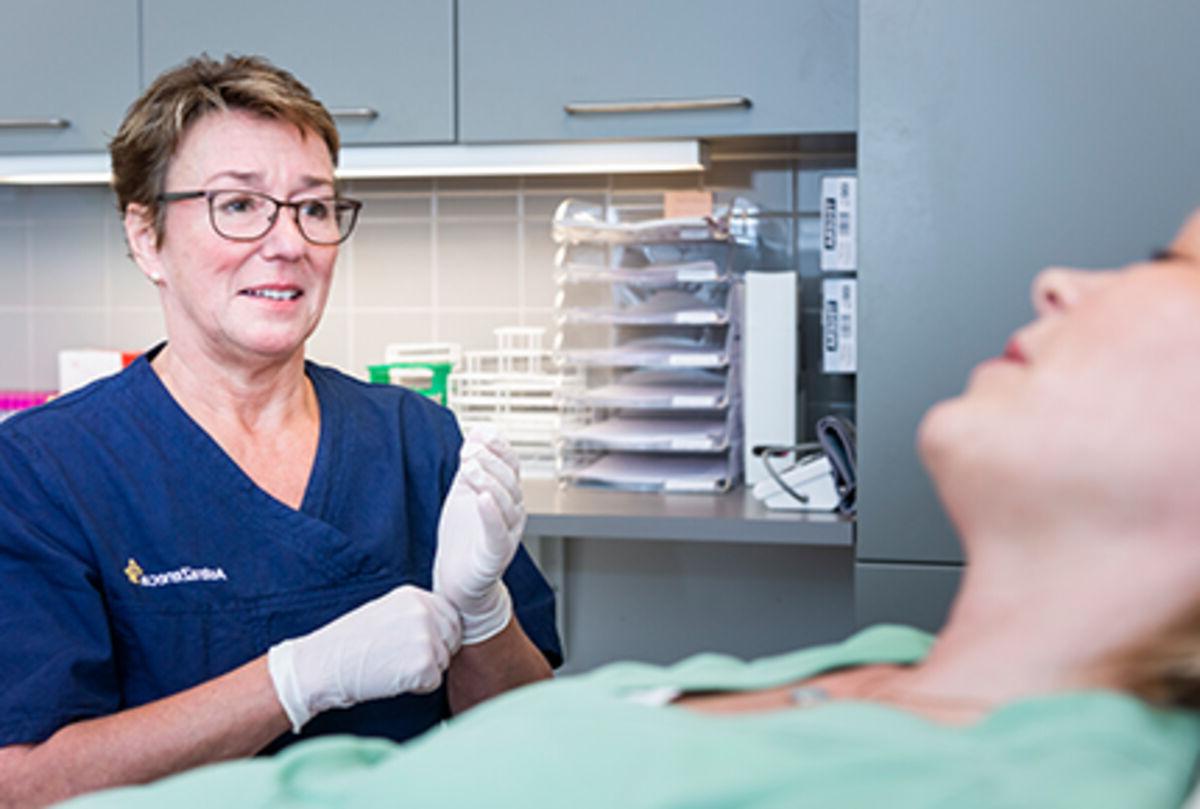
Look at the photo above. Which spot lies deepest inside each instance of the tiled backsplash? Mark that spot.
(446, 260)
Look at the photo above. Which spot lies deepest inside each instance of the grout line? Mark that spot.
(434, 263)
(522, 268)
(29, 279)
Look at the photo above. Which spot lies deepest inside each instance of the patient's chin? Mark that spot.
(940, 431)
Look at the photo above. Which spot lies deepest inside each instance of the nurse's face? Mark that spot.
(1091, 418)
(240, 301)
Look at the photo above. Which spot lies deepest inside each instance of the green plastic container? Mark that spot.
(427, 378)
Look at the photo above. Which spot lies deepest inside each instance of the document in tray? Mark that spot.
(660, 307)
(662, 434)
(682, 389)
(659, 351)
(695, 272)
(657, 473)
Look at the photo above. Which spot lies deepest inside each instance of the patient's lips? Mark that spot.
(1013, 351)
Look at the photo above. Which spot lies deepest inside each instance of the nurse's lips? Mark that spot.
(273, 292)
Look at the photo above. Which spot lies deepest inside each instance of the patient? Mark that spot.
(1070, 467)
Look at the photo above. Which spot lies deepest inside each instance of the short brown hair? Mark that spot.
(157, 121)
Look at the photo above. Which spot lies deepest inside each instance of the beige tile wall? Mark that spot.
(431, 260)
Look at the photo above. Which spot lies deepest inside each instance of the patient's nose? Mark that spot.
(1058, 289)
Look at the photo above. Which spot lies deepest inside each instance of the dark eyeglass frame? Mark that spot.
(209, 195)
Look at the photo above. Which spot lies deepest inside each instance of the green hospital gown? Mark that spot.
(580, 742)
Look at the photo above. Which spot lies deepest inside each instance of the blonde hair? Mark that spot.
(1165, 669)
(156, 122)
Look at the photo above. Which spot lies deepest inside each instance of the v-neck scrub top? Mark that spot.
(138, 560)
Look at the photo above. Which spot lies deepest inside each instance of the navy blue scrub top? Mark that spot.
(138, 560)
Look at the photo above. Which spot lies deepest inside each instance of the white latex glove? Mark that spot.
(480, 527)
(400, 642)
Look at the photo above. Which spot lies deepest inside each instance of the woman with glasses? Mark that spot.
(225, 548)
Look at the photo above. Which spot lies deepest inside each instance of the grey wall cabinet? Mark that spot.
(70, 69)
(996, 139)
(392, 58)
(524, 63)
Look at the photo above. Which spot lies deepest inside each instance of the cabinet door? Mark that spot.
(917, 595)
(997, 139)
(392, 57)
(525, 63)
(70, 69)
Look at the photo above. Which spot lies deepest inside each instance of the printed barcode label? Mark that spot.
(838, 229)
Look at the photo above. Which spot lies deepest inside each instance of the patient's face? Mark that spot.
(1093, 411)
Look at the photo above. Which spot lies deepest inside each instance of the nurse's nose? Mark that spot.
(284, 240)
(1058, 289)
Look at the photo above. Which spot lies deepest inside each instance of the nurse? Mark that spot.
(225, 548)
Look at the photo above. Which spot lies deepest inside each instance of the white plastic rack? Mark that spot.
(516, 389)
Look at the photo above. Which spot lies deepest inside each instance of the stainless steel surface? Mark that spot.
(34, 123)
(665, 105)
(731, 517)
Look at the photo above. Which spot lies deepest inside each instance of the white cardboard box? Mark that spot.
(768, 365)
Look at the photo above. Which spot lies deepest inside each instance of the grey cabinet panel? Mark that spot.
(71, 60)
(996, 139)
(393, 56)
(521, 61)
(916, 595)
(662, 601)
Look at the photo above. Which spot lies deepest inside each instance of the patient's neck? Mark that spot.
(1033, 618)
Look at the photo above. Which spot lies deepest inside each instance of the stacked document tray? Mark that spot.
(648, 310)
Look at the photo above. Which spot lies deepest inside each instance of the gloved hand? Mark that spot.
(400, 642)
(481, 525)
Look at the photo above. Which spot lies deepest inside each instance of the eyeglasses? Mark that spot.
(243, 216)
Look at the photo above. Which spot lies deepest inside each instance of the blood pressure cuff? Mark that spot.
(839, 441)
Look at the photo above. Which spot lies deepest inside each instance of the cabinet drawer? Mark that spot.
(386, 66)
(543, 70)
(70, 69)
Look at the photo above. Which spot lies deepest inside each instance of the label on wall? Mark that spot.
(839, 325)
(839, 223)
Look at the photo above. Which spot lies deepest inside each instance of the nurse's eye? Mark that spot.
(236, 203)
(316, 209)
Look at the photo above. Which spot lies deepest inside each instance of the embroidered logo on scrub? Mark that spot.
(183, 575)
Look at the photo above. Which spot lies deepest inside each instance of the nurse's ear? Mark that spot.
(142, 237)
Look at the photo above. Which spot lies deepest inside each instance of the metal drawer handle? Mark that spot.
(673, 105)
(364, 113)
(34, 123)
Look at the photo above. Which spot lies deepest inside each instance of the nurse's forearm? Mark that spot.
(234, 715)
(483, 670)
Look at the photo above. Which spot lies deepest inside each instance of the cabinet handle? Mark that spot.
(34, 123)
(671, 105)
(362, 113)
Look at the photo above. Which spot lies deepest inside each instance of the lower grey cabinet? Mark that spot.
(70, 69)
(917, 595)
(548, 70)
(385, 68)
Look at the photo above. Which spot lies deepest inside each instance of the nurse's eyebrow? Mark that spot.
(241, 176)
(1165, 254)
